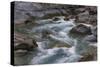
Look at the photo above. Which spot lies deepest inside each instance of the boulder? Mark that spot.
(56, 19)
(24, 46)
(87, 57)
(94, 31)
(91, 38)
(90, 54)
(82, 17)
(23, 42)
(81, 29)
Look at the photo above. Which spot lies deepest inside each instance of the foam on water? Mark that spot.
(56, 55)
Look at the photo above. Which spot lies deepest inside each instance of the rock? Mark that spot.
(87, 57)
(39, 10)
(80, 10)
(47, 32)
(24, 46)
(92, 10)
(23, 42)
(21, 52)
(82, 17)
(91, 38)
(94, 31)
(93, 44)
(62, 45)
(86, 17)
(90, 54)
(56, 19)
(81, 29)
(58, 45)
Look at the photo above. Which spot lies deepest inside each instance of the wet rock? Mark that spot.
(92, 10)
(93, 44)
(94, 32)
(25, 46)
(56, 18)
(81, 29)
(39, 10)
(62, 45)
(20, 52)
(91, 38)
(86, 15)
(58, 45)
(47, 32)
(87, 57)
(82, 17)
(80, 10)
(23, 42)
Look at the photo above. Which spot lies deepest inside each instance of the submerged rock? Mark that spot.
(62, 45)
(81, 29)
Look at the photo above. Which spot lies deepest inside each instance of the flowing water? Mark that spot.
(55, 45)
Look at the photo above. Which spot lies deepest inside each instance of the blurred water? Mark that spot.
(50, 34)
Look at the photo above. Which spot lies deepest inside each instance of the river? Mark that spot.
(55, 44)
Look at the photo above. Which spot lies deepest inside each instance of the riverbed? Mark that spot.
(55, 44)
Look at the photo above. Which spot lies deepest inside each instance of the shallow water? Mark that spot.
(55, 45)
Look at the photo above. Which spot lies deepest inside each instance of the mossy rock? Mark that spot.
(61, 45)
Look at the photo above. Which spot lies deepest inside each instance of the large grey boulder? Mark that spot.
(91, 38)
(81, 29)
(22, 42)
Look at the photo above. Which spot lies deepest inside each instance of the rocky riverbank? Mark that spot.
(32, 11)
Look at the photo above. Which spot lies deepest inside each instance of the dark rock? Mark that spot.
(92, 10)
(91, 38)
(47, 32)
(95, 31)
(25, 46)
(87, 57)
(81, 29)
(56, 18)
(23, 42)
(89, 54)
(87, 15)
(22, 46)
(23, 10)
(82, 17)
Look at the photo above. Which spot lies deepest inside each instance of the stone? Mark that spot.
(87, 57)
(94, 31)
(91, 38)
(81, 29)
(56, 18)
(23, 42)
